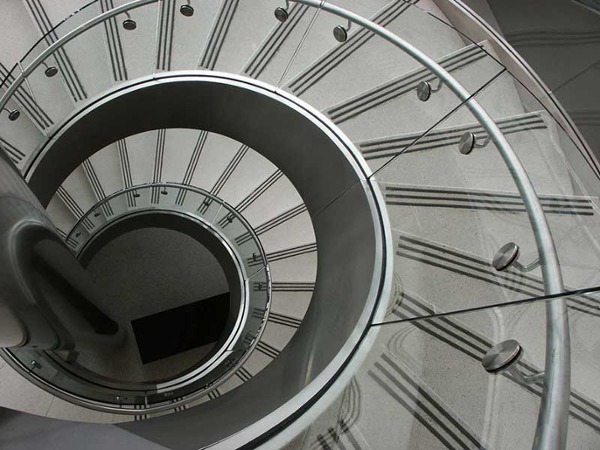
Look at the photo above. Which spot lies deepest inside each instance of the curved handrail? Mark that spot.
(552, 423)
(202, 192)
(26, 71)
(566, 123)
(47, 34)
(551, 431)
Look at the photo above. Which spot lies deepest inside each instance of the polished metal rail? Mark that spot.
(230, 355)
(552, 423)
(137, 187)
(26, 71)
(551, 431)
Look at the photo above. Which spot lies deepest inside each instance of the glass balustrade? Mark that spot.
(466, 269)
(423, 383)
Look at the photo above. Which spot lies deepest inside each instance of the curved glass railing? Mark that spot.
(423, 384)
(437, 119)
(67, 379)
(551, 87)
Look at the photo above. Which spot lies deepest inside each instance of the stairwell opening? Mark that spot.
(328, 173)
(173, 288)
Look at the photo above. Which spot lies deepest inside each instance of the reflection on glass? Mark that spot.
(423, 385)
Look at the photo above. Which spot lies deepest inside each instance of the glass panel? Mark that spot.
(257, 282)
(19, 131)
(276, 54)
(133, 52)
(380, 100)
(571, 184)
(99, 58)
(104, 212)
(237, 230)
(260, 302)
(451, 213)
(423, 385)
(48, 370)
(174, 197)
(199, 204)
(561, 173)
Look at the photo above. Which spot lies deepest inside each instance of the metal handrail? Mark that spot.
(551, 430)
(26, 71)
(562, 117)
(187, 379)
(195, 189)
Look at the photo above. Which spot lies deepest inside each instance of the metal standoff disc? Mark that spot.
(467, 143)
(507, 255)
(187, 10)
(340, 34)
(281, 14)
(129, 24)
(501, 356)
(424, 91)
(13, 115)
(51, 71)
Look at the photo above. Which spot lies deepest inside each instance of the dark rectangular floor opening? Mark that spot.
(179, 329)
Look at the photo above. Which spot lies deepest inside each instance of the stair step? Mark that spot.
(294, 264)
(108, 170)
(291, 228)
(22, 34)
(79, 190)
(217, 161)
(427, 376)
(401, 85)
(432, 270)
(273, 196)
(268, 63)
(236, 34)
(481, 228)
(394, 107)
(73, 59)
(252, 170)
(379, 60)
(391, 146)
(178, 31)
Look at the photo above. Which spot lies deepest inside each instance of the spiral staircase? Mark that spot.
(378, 197)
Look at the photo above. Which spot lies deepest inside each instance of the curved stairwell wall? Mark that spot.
(231, 107)
(281, 144)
